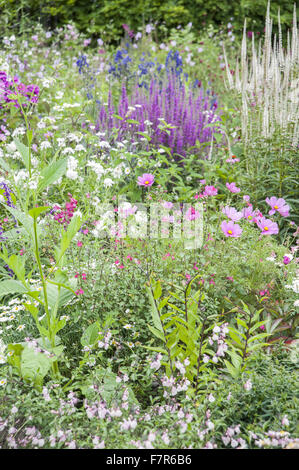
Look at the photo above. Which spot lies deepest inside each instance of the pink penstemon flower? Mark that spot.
(192, 214)
(278, 205)
(147, 179)
(230, 229)
(232, 188)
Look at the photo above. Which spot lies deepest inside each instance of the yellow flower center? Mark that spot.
(146, 182)
(249, 217)
(266, 228)
(230, 232)
(275, 207)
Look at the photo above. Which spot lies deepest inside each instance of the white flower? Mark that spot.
(104, 144)
(211, 398)
(45, 145)
(71, 174)
(285, 421)
(108, 182)
(248, 385)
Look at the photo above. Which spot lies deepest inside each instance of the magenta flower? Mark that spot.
(146, 179)
(286, 259)
(267, 226)
(279, 205)
(192, 214)
(230, 229)
(210, 191)
(232, 188)
(232, 213)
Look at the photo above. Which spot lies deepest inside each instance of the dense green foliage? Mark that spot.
(107, 16)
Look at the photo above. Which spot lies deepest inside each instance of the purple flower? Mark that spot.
(146, 179)
(278, 205)
(230, 229)
(232, 213)
(267, 226)
(232, 188)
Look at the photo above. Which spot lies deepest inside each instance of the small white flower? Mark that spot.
(248, 385)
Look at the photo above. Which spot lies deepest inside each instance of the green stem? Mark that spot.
(46, 305)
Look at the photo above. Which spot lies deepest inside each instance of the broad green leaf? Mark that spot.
(24, 151)
(11, 287)
(52, 173)
(90, 335)
(22, 218)
(34, 366)
(36, 211)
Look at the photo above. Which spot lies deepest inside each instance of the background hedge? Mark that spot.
(105, 17)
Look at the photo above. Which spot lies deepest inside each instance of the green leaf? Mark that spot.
(22, 218)
(34, 366)
(90, 335)
(59, 295)
(24, 151)
(67, 237)
(157, 333)
(258, 337)
(234, 372)
(52, 173)
(154, 311)
(11, 287)
(242, 323)
(36, 211)
(257, 325)
(157, 290)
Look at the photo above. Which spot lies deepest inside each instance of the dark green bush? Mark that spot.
(107, 16)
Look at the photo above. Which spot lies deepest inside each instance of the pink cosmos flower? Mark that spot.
(249, 213)
(146, 179)
(232, 213)
(79, 244)
(232, 188)
(210, 191)
(267, 226)
(279, 205)
(230, 229)
(167, 205)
